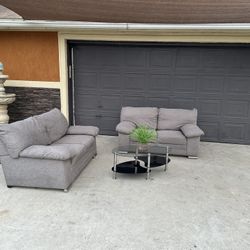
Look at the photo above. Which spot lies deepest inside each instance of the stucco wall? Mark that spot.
(31, 56)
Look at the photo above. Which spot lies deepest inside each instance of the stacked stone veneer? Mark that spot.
(32, 101)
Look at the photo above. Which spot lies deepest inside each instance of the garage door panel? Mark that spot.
(161, 58)
(86, 101)
(87, 120)
(209, 107)
(161, 82)
(236, 109)
(186, 71)
(208, 84)
(239, 58)
(110, 103)
(240, 85)
(233, 132)
(238, 72)
(108, 125)
(212, 130)
(158, 102)
(85, 92)
(87, 111)
(86, 80)
(213, 79)
(135, 57)
(113, 56)
(110, 79)
(235, 58)
(213, 58)
(89, 58)
(138, 101)
(184, 84)
(214, 71)
(187, 59)
(134, 81)
(160, 71)
(188, 103)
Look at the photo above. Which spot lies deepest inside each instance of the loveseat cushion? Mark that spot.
(125, 127)
(191, 130)
(174, 119)
(52, 152)
(83, 130)
(54, 122)
(19, 135)
(171, 137)
(141, 116)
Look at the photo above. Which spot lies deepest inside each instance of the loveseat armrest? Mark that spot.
(83, 130)
(191, 130)
(125, 127)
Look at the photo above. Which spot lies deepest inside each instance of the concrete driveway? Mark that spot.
(196, 204)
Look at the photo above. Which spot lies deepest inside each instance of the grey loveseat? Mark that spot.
(44, 151)
(175, 127)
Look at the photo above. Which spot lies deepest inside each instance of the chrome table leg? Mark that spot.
(148, 167)
(136, 159)
(114, 164)
(166, 164)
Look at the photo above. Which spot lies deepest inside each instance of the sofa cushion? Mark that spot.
(85, 140)
(174, 119)
(54, 122)
(52, 152)
(19, 135)
(125, 127)
(141, 116)
(170, 137)
(83, 130)
(3, 150)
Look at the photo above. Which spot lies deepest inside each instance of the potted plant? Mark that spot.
(143, 135)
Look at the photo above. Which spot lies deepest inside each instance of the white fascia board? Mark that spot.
(9, 24)
(59, 25)
(222, 26)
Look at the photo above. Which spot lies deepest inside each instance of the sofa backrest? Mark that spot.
(38, 130)
(22, 134)
(54, 123)
(174, 119)
(141, 116)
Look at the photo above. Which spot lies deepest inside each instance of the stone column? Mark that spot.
(5, 98)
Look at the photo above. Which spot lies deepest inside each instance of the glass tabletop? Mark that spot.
(141, 150)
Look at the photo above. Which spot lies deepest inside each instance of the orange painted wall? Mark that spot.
(30, 56)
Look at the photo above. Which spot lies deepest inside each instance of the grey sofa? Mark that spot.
(43, 151)
(175, 127)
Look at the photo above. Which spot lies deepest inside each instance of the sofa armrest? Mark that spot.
(125, 127)
(191, 130)
(82, 130)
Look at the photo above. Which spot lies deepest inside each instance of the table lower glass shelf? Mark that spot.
(130, 167)
(155, 161)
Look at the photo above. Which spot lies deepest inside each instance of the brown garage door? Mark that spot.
(213, 79)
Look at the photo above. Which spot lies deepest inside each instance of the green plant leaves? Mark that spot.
(143, 135)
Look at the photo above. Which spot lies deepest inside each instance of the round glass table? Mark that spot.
(154, 155)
